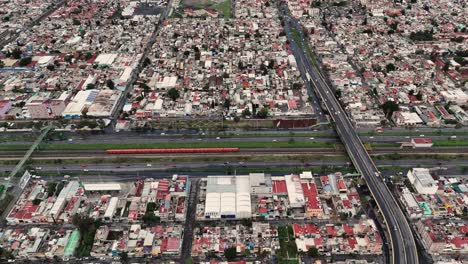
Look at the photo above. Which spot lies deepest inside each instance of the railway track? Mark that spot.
(81, 154)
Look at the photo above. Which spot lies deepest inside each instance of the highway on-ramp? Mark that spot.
(402, 241)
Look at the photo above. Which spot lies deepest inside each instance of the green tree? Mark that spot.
(446, 67)
(84, 113)
(419, 96)
(16, 53)
(92, 125)
(230, 253)
(90, 86)
(390, 67)
(5, 254)
(25, 61)
(145, 87)
(124, 257)
(146, 62)
(227, 103)
(51, 188)
(422, 36)
(375, 91)
(457, 39)
(263, 113)
(101, 124)
(246, 222)
(297, 86)
(246, 112)
(68, 58)
(173, 93)
(313, 252)
(110, 83)
(338, 93)
(389, 107)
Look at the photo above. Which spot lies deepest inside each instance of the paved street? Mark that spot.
(190, 220)
(162, 166)
(402, 240)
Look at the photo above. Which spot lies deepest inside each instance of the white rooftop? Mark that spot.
(102, 187)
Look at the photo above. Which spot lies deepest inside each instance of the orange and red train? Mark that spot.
(171, 150)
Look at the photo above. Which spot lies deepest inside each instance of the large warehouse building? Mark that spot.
(228, 197)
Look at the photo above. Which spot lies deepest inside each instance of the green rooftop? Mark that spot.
(72, 243)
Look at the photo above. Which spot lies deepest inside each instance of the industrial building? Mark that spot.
(422, 181)
(228, 197)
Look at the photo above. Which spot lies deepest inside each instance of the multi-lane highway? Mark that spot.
(402, 241)
(148, 166)
(391, 153)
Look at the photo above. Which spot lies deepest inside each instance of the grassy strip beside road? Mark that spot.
(398, 156)
(288, 249)
(280, 144)
(450, 143)
(414, 134)
(297, 37)
(227, 170)
(267, 134)
(223, 7)
(244, 158)
(235, 158)
(291, 143)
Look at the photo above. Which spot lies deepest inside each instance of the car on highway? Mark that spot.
(66, 176)
(149, 165)
(218, 138)
(274, 140)
(38, 168)
(163, 134)
(85, 170)
(312, 138)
